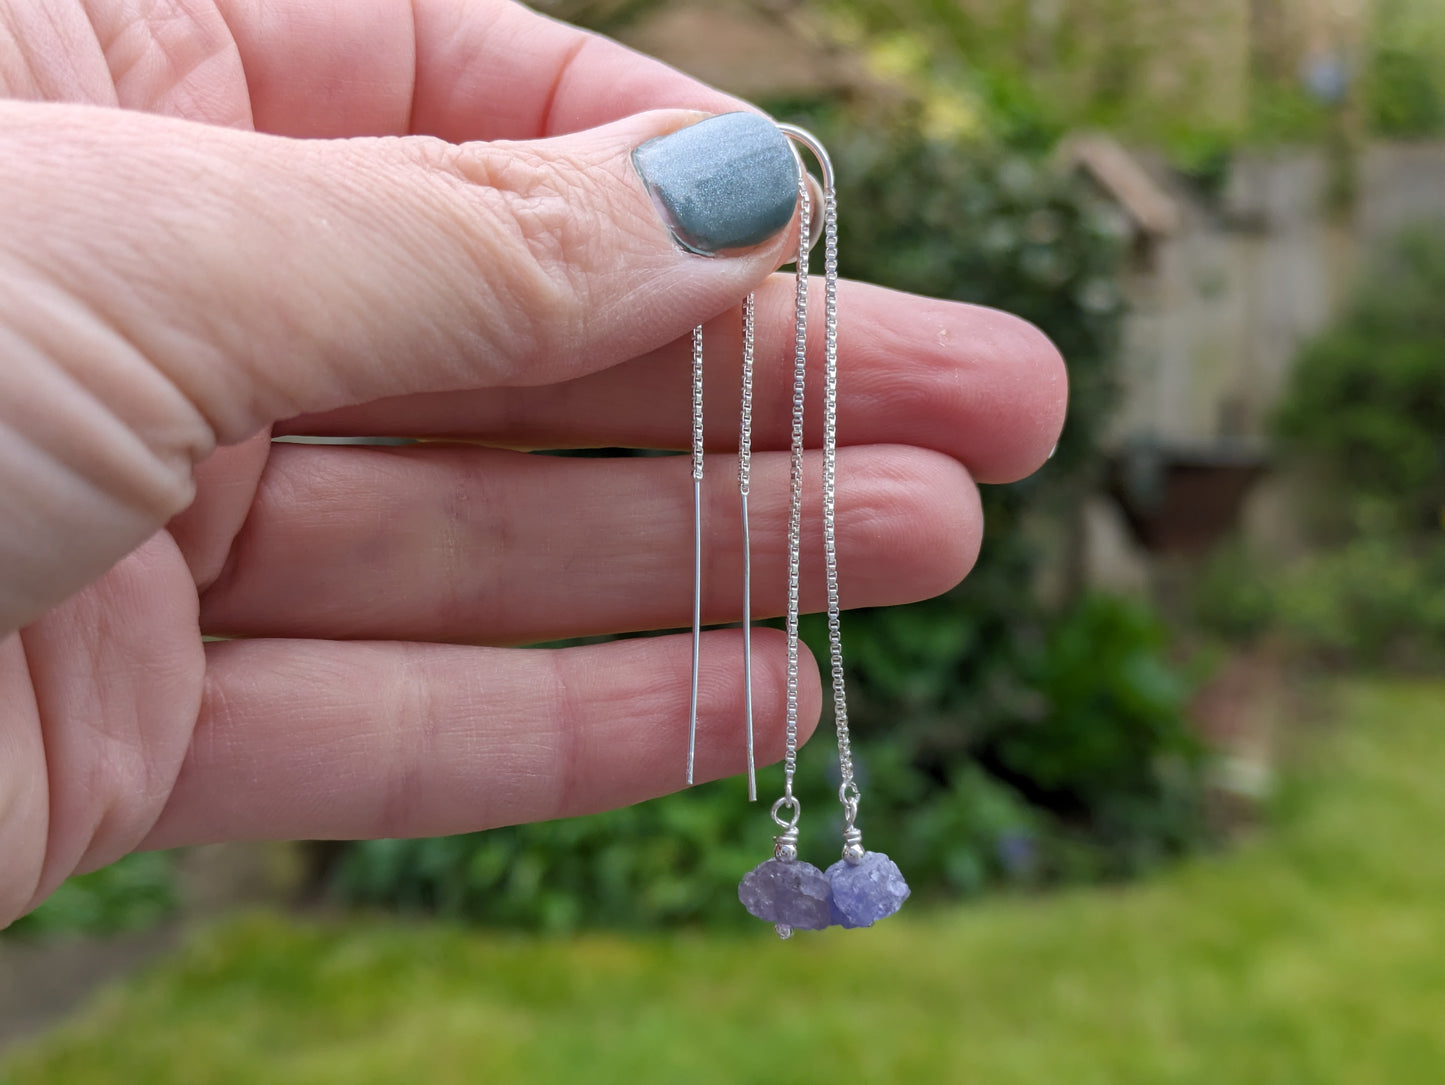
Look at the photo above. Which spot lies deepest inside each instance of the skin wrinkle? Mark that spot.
(458, 514)
(9, 39)
(89, 80)
(564, 69)
(266, 228)
(888, 509)
(238, 555)
(47, 878)
(226, 486)
(526, 203)
(414, 743)
(123, 471)
(448, 110)
(101, 47)
(351, 196)
(120, 753)
(37, 890)
(539, 344)
(49, 138)
(565, 741)
(268, 396)
(126, 292)
(414, 26)
(162, 455)
(66, 489)
(144, 34)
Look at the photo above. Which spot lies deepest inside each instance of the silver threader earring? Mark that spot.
(861, 887)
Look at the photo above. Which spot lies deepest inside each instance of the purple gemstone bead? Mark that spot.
(793, 894)
(863, 894)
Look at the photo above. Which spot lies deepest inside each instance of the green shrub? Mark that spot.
(133, 893)
(1363, 424)
(1235, 595)
(1366, 401)
(1107, 745)
(1375, 600)
(1402, 91)
(1402, 95)
(679, 859)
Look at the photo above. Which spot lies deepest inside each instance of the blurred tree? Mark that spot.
(1404, 97)
(1366, 402)
(1363, 420)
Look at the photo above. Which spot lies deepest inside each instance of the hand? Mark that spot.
(181, 273)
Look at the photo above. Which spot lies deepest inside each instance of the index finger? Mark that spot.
(458, 69)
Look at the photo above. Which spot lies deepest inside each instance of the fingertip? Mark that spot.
(913, 523)
(770, 691)
(1039, 382)
(982, 385)
(810, 694)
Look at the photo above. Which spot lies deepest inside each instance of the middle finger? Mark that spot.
(974, 383)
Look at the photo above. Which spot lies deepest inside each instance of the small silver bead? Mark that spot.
(784, 931)
(853, 854)
(786, 853)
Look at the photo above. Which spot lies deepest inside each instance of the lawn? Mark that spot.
(1314, 953)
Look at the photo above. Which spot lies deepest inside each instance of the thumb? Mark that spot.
(166, 286)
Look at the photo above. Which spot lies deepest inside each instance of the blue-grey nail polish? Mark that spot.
(727, 182)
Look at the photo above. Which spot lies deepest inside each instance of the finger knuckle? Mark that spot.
(525, 217)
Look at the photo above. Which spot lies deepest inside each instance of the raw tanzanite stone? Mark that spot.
(863, 894)
(793, 894)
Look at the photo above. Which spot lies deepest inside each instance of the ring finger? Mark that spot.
(487, 546)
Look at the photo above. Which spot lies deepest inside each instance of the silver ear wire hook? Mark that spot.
(816, 149)
(807, 139)
(814, 188)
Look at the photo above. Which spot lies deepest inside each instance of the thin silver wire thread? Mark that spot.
(848, 790)
(745, 460)
(795, 496)
(696, 542)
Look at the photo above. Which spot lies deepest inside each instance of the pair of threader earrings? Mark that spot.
(862, 886)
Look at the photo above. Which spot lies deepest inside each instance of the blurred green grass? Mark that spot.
(1314, 953)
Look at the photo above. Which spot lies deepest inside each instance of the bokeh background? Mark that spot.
(1163, 771)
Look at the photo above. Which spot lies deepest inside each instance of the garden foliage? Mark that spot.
(1363, 422)
(131, 894)
(1367, 398)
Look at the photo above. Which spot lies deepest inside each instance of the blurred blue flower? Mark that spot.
(1018, 852)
